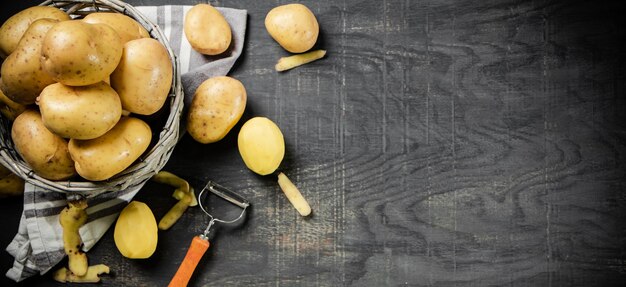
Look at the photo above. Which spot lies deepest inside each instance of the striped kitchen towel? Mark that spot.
(38, 245)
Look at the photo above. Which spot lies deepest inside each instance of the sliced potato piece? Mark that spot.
(294, 195)
(286, 63)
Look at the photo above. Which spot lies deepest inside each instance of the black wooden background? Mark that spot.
(442, 142)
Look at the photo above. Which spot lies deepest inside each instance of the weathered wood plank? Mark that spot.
(439, 143)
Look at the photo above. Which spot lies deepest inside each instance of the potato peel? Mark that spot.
(179, 193)
(72, 218)
(286, 63)
(293, 195)
(184, 193)
(64, 275)
(175, 213)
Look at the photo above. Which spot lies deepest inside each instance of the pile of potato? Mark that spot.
(72, 86)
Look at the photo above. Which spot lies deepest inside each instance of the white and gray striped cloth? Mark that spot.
(38, 245)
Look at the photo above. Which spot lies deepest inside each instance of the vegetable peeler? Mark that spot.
(200, 243)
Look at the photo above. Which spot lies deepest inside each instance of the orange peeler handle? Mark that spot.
(197, 248)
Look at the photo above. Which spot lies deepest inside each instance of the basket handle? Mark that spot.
(195, 252)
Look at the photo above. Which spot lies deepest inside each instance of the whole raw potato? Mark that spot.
(76, 53)
(8, 107)
(10, 183)
(13, 29)
(84, 112)
(215, 108)
(293, 26)
(22, 76)
(127, 28)
(206, 30)
(143, 77)
(46, 153)
(103, 157)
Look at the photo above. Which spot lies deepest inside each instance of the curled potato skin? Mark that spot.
(186, 198)
(92, 275)
(72, 217)
(175, 213)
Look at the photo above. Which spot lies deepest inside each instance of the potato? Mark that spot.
(71, 218)
(293, 26)
(8, 107)
(136, 233)
(22, 76)
(10, 183)
(206, 30)
(76, 53)
(85, 112)
(13, 29)
(261, 145)
(46, 153)
(103, 157)
(216, 107)
(4, 172)
(127, 28)
(143, 77)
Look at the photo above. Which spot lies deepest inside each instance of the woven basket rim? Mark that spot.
(152, 161)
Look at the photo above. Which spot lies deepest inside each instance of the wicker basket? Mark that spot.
(151, 161)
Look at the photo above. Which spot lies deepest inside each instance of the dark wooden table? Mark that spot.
(443, 143)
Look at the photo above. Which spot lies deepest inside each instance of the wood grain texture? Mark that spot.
(439, 143)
